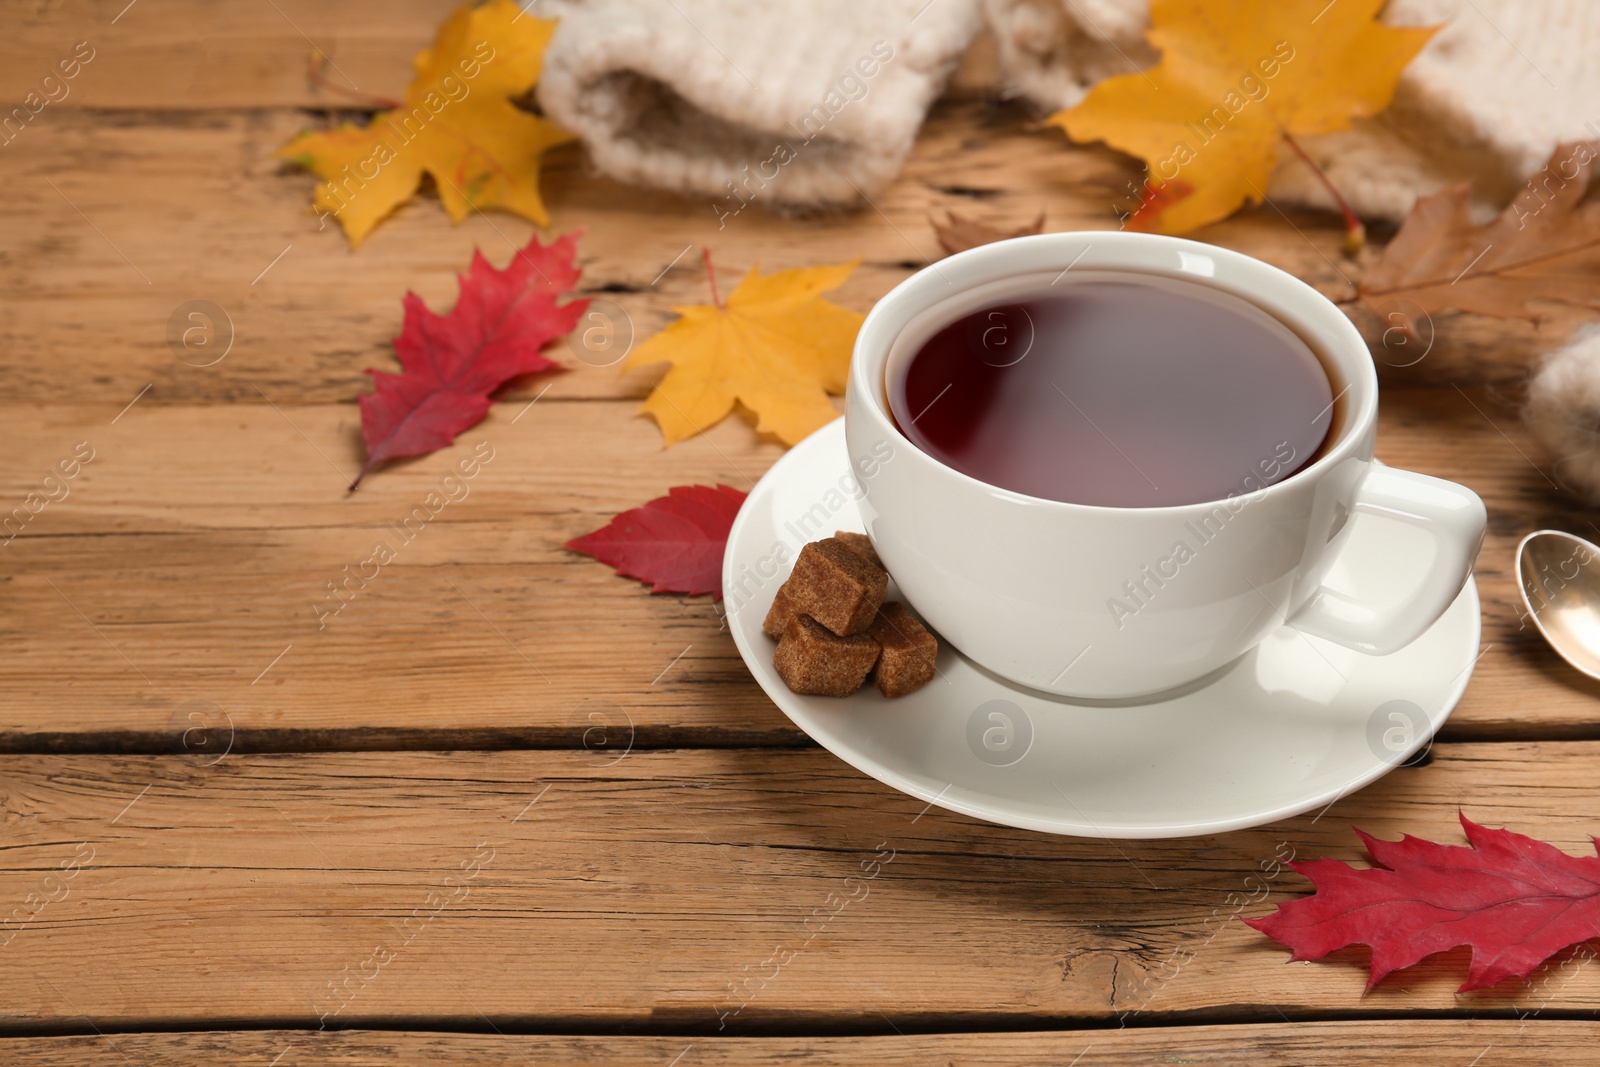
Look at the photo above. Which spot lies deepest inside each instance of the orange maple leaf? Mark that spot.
(457, 123)
(776, 347)
(1235, 80)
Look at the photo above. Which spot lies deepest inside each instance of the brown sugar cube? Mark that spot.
(909, 651)
(836, 587)
(814, 662)
(828, 574)
(861, 545)
(778, 616)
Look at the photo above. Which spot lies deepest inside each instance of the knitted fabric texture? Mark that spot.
(1487, 100)
(1563, 411)
(744, 102)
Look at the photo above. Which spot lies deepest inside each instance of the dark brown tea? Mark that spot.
(1118, 393)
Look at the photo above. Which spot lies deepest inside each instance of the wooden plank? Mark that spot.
(173, 579)
(180, 207)
(215, 210)
(197, 546)
(211, 53)
(196, 206)
(1379, 1043)
(693, 891)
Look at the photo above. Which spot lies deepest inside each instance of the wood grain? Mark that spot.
(673, 890)
(212, 54)
(622, 881)
(1379, 1043)
(116, 220)
(197, 546)
(204, 54)
(215, 209)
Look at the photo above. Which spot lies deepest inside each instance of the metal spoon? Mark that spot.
(1562, 594)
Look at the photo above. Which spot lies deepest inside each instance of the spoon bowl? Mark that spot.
(1562, 594)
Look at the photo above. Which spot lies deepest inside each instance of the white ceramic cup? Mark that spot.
(1023, 586)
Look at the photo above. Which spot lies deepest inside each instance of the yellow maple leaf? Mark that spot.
(1233, 80)
(457, 123)
(776, 347)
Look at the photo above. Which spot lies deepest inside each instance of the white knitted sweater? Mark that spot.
(745, 101)
(741, 101)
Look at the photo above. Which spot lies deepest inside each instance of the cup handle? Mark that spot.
(1452, 513)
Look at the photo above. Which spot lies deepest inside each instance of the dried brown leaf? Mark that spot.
(1544, 246)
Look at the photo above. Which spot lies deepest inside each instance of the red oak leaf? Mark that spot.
(453, 362)
(1515, 900)
(675, 542)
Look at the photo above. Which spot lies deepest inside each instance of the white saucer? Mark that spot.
(1289, 727)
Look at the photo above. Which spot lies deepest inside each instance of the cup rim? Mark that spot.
(1255, 281)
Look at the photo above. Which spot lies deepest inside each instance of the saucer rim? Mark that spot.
(1082, 826)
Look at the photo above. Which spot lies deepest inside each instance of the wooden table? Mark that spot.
(506, 806)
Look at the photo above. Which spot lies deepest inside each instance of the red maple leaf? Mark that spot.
(1515, 900)
(675, 542)
(453, 362)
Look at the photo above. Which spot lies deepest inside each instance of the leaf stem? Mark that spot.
(711, 276)
(1355, 233)
(314, 67)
